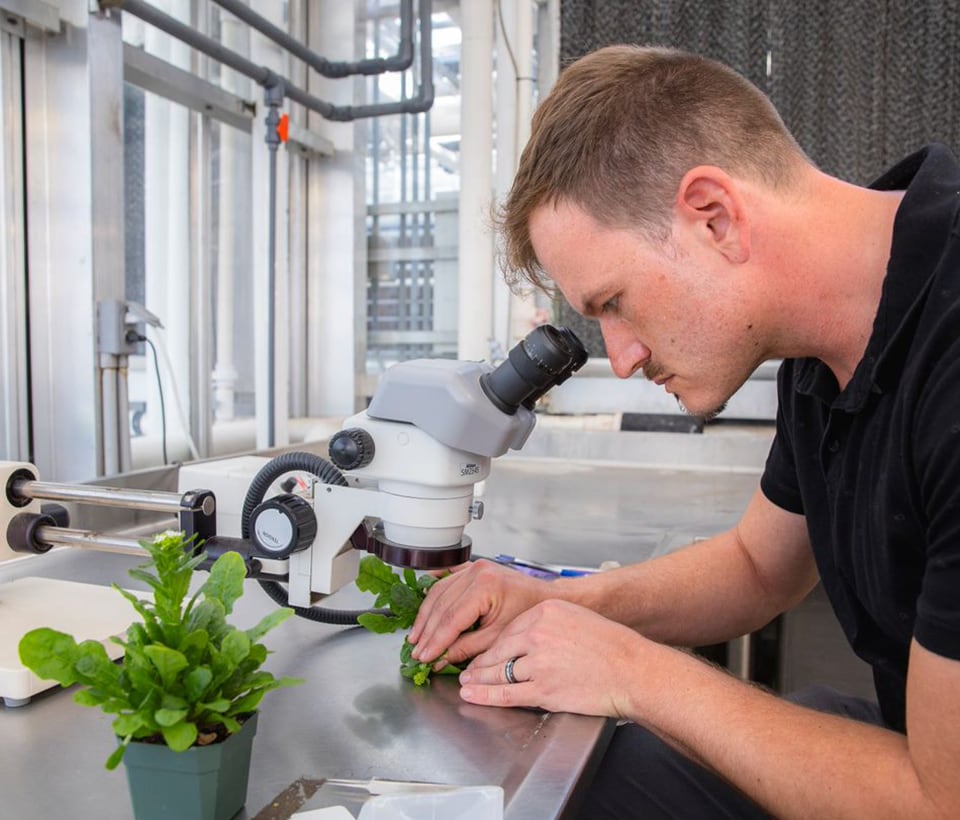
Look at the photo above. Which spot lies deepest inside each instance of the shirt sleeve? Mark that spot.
(779, 480)
(937, 448)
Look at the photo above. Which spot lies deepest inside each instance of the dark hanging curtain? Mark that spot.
(860, 83)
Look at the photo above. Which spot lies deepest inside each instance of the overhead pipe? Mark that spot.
(401, 61)
(270, 79)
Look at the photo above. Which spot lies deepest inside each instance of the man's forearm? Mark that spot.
(794, 761)
(706, 593)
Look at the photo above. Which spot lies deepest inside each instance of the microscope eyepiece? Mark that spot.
(545, 358)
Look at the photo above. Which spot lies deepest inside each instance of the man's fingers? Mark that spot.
(450, 615)
(436, 597)
(468, 646)
(508, 694)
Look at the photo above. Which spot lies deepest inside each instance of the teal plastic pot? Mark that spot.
(202, 783)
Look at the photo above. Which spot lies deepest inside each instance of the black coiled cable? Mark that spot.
(270, 472)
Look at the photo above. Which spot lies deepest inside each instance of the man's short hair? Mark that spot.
(620, 129)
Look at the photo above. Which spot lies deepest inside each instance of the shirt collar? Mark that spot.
(923, 224)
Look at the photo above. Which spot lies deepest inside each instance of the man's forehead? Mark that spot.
(554, 214)
(581, 256)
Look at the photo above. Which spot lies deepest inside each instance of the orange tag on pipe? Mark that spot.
(283, 128)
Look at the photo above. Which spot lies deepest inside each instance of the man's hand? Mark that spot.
(567, 659)
(480, 593)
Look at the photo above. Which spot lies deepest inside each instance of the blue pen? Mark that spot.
(555, 569)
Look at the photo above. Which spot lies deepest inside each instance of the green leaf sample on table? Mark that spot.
(400, 597)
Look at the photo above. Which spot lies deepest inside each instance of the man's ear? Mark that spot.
(710, 203)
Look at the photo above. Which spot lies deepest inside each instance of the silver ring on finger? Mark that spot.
(508, 671)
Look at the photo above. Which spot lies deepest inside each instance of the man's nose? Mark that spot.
(626, 352)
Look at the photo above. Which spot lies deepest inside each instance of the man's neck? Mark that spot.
(832, 268)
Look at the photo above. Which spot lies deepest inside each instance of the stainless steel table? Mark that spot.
(355, 716)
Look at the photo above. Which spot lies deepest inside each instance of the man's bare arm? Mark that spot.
(713, 590)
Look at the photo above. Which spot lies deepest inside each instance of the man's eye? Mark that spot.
(611, 305)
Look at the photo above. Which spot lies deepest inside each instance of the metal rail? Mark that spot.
(82, 539)
(154, 500)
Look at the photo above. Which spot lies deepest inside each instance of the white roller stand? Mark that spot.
(86, 611)
(83, 610)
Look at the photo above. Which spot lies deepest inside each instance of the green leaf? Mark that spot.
(142, 607)
(235, 647)
(196, 682)
(405, 603)
(168, 662)
(170, 701)
(210, 616)
(88, 697)
(114, 760)
(136, 636)
(142, 675)
(169, 717)
(274, 619)
(375, 576)
(94, 666)
(376, 622)
(225, 583)
(232, 724)
(126, 725)
(194, 644)
(258, 654)
(248, 703)
(140, 574)
(419, 673)
(50, 655)
(425, 581)
(181, 736)
(220, 705)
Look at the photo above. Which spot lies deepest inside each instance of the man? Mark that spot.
(661, 193)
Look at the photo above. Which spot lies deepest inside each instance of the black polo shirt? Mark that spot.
(875, 468)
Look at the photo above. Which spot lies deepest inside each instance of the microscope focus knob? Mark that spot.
(282, 525)
(351, 449)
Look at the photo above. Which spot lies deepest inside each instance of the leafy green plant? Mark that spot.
(401, 598)
(187, 677)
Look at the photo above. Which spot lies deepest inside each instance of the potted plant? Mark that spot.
(186, 692)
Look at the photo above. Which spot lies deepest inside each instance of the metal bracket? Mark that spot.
(308, 143)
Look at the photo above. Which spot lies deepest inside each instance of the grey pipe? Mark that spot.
(273, 98)
(268, 79)
(401, 61)
(153, 500)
